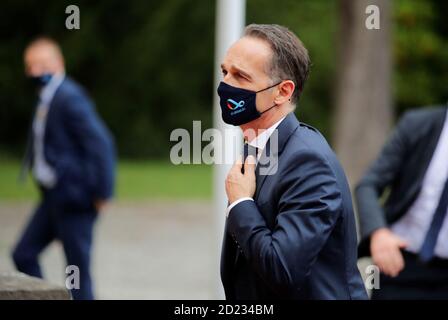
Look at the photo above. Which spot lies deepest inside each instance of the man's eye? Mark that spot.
(239, 75)
(224, 72)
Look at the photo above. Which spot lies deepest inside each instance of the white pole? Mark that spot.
(230, 20)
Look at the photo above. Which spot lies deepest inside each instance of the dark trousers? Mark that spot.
(417, 281)
(73, 229)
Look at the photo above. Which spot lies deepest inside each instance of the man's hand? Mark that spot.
(100, 204)
(385, 248)
(240, 185)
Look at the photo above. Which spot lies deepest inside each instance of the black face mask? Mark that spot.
(238, 106)
(40, 81)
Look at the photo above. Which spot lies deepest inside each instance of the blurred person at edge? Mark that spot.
(407, 236)
(72, 158)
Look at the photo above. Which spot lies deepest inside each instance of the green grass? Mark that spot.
(136, 180)
(141, 180)
(10, 188)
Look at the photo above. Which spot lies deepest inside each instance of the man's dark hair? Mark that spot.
(290, 60)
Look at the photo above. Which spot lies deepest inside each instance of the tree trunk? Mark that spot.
(363, 89)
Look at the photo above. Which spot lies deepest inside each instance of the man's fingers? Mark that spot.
(249, 164)
(392, 262)
(402, 243)
(239, 160)
(238, 164)
(398, 261)
(394, 258)
(397, 257)
(382, 263)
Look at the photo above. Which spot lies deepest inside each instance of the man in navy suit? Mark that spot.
(406, 233)
(290, 228)
(72, 158)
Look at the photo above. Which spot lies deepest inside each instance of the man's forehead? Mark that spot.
(43, 49)
(249, 54)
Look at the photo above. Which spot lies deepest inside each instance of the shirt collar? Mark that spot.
(260, 141)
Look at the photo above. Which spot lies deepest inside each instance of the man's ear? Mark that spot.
(285, 90)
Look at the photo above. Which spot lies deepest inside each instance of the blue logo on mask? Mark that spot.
(233, 105)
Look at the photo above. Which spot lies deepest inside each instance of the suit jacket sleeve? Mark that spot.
(309, 206)
(380, 175)
(95, 141)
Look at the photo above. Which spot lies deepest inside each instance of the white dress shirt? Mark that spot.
(258, 142)
(42, 171)
(413, 226)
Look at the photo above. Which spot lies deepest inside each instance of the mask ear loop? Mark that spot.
(268, 109)
(267, 89)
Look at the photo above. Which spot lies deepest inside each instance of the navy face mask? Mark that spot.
(238, 106)
(40, 81)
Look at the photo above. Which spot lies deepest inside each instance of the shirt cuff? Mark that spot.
(234, 203)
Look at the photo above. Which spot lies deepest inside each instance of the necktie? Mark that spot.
(248, 150)
(429, 244)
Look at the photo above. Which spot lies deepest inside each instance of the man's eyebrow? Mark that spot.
(238, 69)
(244, 73)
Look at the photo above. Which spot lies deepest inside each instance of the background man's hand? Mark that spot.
(100, 204)
(240, 185)
(385, 248)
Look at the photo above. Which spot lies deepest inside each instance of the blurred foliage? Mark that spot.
(420, 53)
(149, 64)
(315, 23)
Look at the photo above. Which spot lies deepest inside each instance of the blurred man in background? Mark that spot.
(407, 237)
(72, 157)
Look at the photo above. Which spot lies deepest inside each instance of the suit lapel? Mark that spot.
(268, 163)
